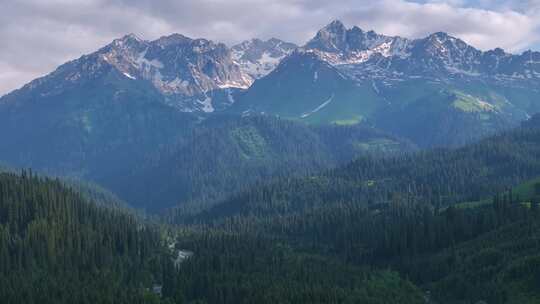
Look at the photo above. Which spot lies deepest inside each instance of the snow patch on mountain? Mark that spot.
(177, 65)
(317, 109)
(207, 106)
(129, 76)
(338, 45)
(244, 84)
(258, 58)
(397, 47)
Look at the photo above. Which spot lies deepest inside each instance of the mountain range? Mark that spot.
(399, 84)
(137, 107)
(341, 76)
(352, 169)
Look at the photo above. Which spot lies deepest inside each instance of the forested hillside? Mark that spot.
(55, 247)
(124, 139)
(449, 220)
(84, 132)
(442, 225)
(250, 268)
(227, 154)
(438, 177)
(461, 254)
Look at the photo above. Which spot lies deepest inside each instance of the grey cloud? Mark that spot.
(38, 35)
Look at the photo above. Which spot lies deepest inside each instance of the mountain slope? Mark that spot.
(401, 214)
(225, 154)
(342, 76)
(402, 85)
(116, 131)
(306, 88)
(439, 177)
(339, 45)
(257, 58)
(102, 123)
(453, 116)
(56, 247)
(178, 70)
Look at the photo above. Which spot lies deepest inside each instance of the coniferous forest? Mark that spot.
(56, 247)
(436, 226)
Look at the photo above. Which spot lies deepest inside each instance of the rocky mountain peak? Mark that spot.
(497, 52)
(257, 58)
(336, 26)
(331, 38)
(190, 71)
(132, 37)
(442, 40)
(127, 39)
(180, 68)
(173, 39)
(338, 45)
(442, 52)
(253, 49)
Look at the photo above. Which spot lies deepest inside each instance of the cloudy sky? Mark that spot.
(38, 35)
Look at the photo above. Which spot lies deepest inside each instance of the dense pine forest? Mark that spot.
(461, 254)
(226, 154)
(440, 178)
(435, 226)
(448, 220)
(58, 248)
(177, 160)
(55, 247)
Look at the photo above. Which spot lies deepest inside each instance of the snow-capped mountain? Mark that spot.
(182, 69)
(399, 84)
(302, 86)
(185, 71)
(368, 55)
(257, 58)
(193, 75)
(339, 45)
(341, 75)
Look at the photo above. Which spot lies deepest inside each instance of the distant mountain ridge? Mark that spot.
(339, 45)
(199, 75)
(399, 85)
(341, 76)
(436, 53)
(186, 72)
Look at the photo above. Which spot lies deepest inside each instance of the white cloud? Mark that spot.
(482, 28)
(38, 35)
